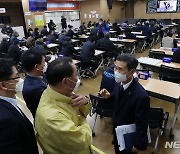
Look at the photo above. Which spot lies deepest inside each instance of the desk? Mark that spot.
(167, 52)
(74, 40)
(52, 45)
(137, 33)
(78, 48)
(155, 64)
(53, 57)
(99, 53)
(164, 90)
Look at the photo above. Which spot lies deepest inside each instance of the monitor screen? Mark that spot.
(37, 5)
(166, 5)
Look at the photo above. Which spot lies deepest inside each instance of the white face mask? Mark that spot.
(119, 77)
(19, 85)
(77, 84)
(45, 68)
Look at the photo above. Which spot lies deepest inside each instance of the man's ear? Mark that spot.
(64, 81)
(2, 86)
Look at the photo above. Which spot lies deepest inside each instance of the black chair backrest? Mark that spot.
(169, 74)
(156, 54)
(98, 105)
(155, 117)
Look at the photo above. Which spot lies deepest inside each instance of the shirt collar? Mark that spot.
(125, 86)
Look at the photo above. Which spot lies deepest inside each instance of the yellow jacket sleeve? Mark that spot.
(73, 139)
(85, 109)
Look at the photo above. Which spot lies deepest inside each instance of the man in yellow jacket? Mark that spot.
(60, 122)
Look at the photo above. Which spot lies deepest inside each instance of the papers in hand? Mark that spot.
(126, 134)
(121, 131)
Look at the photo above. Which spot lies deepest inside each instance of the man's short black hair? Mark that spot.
(30, 58)
(6, 68)
(169, 34)
(59, 69)
(131, 61)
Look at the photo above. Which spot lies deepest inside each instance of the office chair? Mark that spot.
(156, 54)
(157, 119)
(169, 74)
(85, 70)
(98, 109)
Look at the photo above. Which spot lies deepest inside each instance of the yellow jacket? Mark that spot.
(59, 130)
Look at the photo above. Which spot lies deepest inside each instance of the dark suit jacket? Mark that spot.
(67, 49)
(176, 56)
(16, 132)
(70, 33)
(106, 43)
(32, 91)
(14, 52)
(87, 51)
(131, 106)
(51, 38)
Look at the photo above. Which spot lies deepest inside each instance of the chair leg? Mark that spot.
(157, 142)
(93, 133)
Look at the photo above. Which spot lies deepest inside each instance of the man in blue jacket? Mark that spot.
(131, 103)
(35, 83)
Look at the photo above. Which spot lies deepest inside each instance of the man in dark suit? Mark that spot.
(35, 83)
(87, 54)
(131, 103)
(16, 131)
(176, 56)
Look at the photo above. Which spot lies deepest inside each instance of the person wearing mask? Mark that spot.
(63, 22)
(51, 25)
(63, 129)
(44, 31)
(4, 45)
(30, 41)
(15, 52)
(35, 82)
(30, 32)
(168, 41)
(131, 103)
(17, 132)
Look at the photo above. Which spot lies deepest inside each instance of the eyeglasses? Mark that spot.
(11, 78)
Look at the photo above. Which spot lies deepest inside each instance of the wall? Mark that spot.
(140, 12)
(129, 9)
(14, 10)
(101, 8)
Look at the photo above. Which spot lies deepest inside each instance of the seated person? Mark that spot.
(35, 83)
(89, 24)
(176, 56)
(4, 46)
(39, 45)
(67, 49)
(15, 52)
(138, 27)
(82, 29)
(30, 41)
(129, 35)
(14, 37)
(7, 30)
(52, 37)
(87, 54)
(116, 28)
(62, 37)
(107, 44)
(168, 41)
(70, 32)
(44, 31)
(146, 31)
(36, 33)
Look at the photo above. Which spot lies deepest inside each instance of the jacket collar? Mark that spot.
(57, 96)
